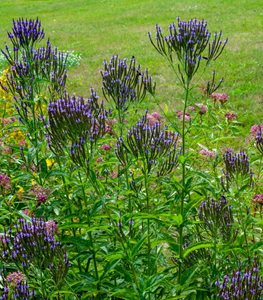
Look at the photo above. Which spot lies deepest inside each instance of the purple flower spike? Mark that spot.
(188, 42)
(242, 285)
(146, 141)
(25, 33)
(75, 125)
(217, 218)
(124, 82)
(237, 167)
(259, 140)
(34, 244)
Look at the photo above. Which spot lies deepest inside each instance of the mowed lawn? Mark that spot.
(98, 29)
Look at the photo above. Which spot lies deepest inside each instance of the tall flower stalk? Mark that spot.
(74, 128)
(156, 151)
(123, 83)
(185, 47)
(36, 75)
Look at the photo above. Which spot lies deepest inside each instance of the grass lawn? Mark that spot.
(98, 29)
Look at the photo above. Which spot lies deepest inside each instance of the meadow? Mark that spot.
(131, 147)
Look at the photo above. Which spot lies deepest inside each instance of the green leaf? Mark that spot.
(196, 247)
(85, 226)
(137, 247)
(172, 219)
(109, 266)
(125, 294)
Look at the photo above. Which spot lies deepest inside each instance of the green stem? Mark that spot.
(121, 120)
(145, 173)
(89, 233)
(181, 239)
(69, 207)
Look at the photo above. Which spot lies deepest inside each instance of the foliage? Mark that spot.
(102, 200)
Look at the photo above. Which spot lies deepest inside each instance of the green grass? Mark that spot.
(98, 29)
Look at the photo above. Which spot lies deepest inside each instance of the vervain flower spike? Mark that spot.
(75, 125)
(151, 144)
(26, 32)
(124, 82)
(189, 43)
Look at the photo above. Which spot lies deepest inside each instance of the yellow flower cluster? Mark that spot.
(6, 99)
(17, 137)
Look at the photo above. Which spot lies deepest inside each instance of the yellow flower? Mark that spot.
(20, 192)
(50, 162)
(16, 135)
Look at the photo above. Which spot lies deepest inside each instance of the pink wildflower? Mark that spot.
(40, 192)
(6, 150)
(221, 97)
(202, 108)
(27, 212)
(105, 147)
(258, 199)
(153, 118)
(6, 121)
(51, 227)
(255, 129)
(5, 182)
(114, 174)
(187, 116)
(156, 115)
(109, 126)
(207, 153)
(99, 160)
(230, 116)
(15, 278)
(22, 143)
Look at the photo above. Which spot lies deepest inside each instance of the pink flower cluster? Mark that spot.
(153, 118)
(51, 227)
(221, 97)
(180, 115)
(109, 126)
(258, 199)
(255, 129)
(40, 192)
(230, 116)
(5, 181)
(105, 147)
(15, 278)
(8, 120)
(202, 109)
(207, 153)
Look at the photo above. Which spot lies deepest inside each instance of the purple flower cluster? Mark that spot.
(25, 33)
(27, 74)
(217, 217)
(34, 244)
(259, 140)
(188, 40)
(33, 71)
(75, 125)
(236, 165)
(151, 145)
(125, 82)
(20, 291)
(16, 287)
(242, 285)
